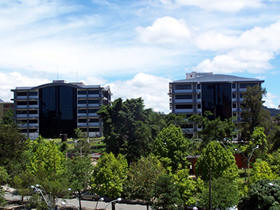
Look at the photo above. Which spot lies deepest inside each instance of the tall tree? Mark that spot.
(172, 147)
(3, 180)
(142, 177)
(216, 160)
(253, 113)
(79, 172)
(46, 165)
(261, 171)
(129, 129)
(109, 175)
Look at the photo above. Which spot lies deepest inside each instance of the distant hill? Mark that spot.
(273, 111)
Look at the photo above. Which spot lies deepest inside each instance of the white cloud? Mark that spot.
(153, 89)
(12, 80)
(220, 5)
(270, 100)
(165, 30)
(251, 51)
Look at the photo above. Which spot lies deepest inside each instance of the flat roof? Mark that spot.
(218, 78)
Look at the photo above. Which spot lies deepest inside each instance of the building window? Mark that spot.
(82, 92)
(234, 105)
(233, 95)
(183, 87)
(183, 96)
(93, 92)
(245, 85)
(21, 94)
(198, 86)
(233, 86)
(185, 106)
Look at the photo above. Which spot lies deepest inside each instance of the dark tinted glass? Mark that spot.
(216, 98)
(183, 96)
(57, 111)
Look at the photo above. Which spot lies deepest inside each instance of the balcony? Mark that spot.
(22, 106)
(33, 97)
(34, 106)
(94, 134)
(242, 89)
(82, 124)
(183, 110)
(92, 114)
(183, 100)
(21, 97)
(199, 110)
(22, 125)
(198, 100)
(33, 125)
(21, 115)
(33, 115)
(183, 91)
(187, 130)
(234, 109)
(93, 105)
(233, 99)
(93, 95)
(82, 96)
(94, 124)
(82, 114)
(82, 105)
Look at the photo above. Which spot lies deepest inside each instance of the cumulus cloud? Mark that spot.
(153, 89)
(251, 51)
(271, 100)
(217, 5)
(12, 80)
(165, 30)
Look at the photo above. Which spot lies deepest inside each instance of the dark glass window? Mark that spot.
(82, 120)
(33, 112)
(22, 103)
(33, 103)
(33, 130)
(82, 111)
(93, 120)
(198, 86)
(93, 129)
(93, 101)
(183, 87)
(234, 105)
(233, 85)
(21, 94)
(92, 110)
(57, 111)
(82, 102)
(32, 93)
(185, 106)
(245, 85)
(33, 121)
(82, 92)
(93, 92)
(216, 98)
(183, 96)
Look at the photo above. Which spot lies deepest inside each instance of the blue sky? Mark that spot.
(138, 46)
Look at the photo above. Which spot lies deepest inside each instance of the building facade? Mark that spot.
(217, 93)
(59, 108)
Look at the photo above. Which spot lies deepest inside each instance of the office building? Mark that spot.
(59, 108)
(218, 93)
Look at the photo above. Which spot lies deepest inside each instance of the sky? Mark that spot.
(138, 46)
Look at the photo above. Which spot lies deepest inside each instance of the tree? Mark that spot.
(142, 177)
(166, 194)
(4, 177)
(216, 160)
(253, 113)
(224, 194)
(129, 129)
(79, 172)
(188, 187)
(46, 165)
(262, 195)
(261, 170)
(109, 175)
(172, 148)
(213, 129)
(12, 144)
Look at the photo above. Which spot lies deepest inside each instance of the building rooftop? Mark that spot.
(210, 77)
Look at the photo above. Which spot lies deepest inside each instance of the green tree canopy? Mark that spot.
(166, 194)
(130, 129)
(262, 195)
(172, 147)
(224, 194)
(217, 160)
(142, 177)
(213, 129)
(109, 175)
(261, 170)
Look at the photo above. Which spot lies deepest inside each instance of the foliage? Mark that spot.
(213, 129)
(261, 170)
(46, 165)
(166, 194)
(172, 148)
(8, 119)
(224, 194)
(82, 145)
(253, 113)
(79, 171)
(109, 175)
(263, 195)
(3, 180)
(274, 162)
(142, 177)
(129, 129)
(12, 144)
(217, 160)
(188, 187)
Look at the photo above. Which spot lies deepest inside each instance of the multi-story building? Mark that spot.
(5, 107)
(59, 108)
(217, 93)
